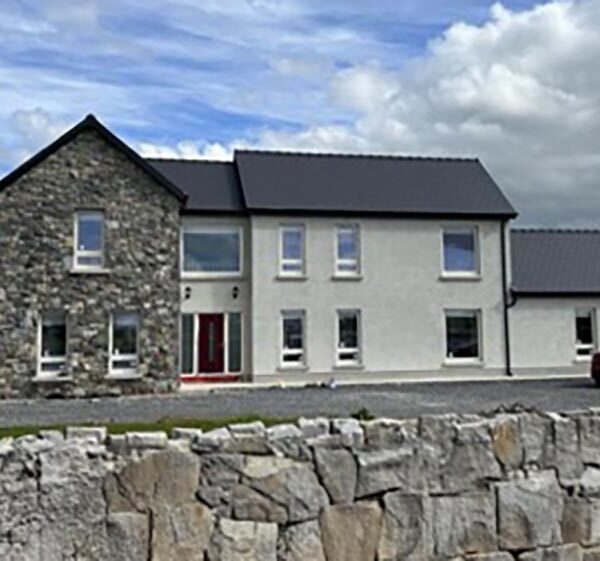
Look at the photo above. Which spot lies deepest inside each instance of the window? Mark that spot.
(89, 240)
(460, 251)
(293, 339)
(348, 337)
(53, 344)
(124, 343)
(292, 250)
(347, 250)
(585, 342)
(212, 251)
(462, 335)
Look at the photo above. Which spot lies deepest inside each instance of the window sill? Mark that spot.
(580, 359)
(338, 277)
(82, 271)
(286, 278)
(462, 362)
(293, 368)
(460, 277)
(211, 277)
(124, 376)
(342, 367)
(54, 379)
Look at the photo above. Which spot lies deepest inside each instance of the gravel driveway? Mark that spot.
(401, 400)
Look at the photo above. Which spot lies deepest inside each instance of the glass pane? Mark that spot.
(125, 331)
(124, 364)
(89, 231)
(459, 250)
(54, 334)
(87, 261)
(53, 367)
(187, 343)
(235, 342)
(348, 331)
(292, 243)
(211, 252)
(292, 333)
(348, 243)
(293, 356)
(583, 323)
(462, 336)
(292, 267)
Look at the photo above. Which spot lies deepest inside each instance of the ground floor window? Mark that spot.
(293, 334)
(348, 337)
(211, 343)
(463, 337)
(585, 330)
(124, 343)
(53, 343)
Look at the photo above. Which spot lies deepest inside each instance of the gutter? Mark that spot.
(506, 303)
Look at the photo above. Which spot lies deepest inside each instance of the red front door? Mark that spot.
(210, 345)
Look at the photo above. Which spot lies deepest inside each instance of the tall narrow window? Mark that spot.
(292, 353)
(212, 251)
(187, 343)
(585, 342)
(460, 251)
(234, 336)
(124, 343)
(347, 250)
(292, 250)
(53, 344)
(462, 335)
(89, 240)
(348, 337)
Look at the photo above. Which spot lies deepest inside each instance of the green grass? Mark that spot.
(166, 425)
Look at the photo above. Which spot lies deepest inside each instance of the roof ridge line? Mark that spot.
(550, 230)
(284, 152)
(188, 160)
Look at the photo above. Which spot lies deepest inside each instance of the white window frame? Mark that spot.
(585, 346)
(123, 372)
(461, 312)
(42, 360)
(344, 350)
(208, 229)
(283, 261)
(292, 364)
(339, 262)
(77, 253)
(467, 273)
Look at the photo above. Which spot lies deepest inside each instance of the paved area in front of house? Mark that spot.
(389, 400)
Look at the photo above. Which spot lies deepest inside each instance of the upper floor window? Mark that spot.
(212, 251)
(460, 251)
(585, 331)
(347, 250)
(124, 335)
(52, 344)
(292, 250)
(89, 240)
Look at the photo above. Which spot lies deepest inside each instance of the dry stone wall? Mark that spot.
(511, 486)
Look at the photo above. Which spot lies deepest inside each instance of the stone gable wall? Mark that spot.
(515, 486)
(36, 252)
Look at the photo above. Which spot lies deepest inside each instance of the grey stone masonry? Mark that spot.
(141, 272)
(212, 497)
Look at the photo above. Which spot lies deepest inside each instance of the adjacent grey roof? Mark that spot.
(556, 262)
(210, 186)
(325, 183)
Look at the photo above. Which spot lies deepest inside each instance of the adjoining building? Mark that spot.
(120, 274)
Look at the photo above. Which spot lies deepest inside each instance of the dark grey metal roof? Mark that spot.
(302, 182)
(555, 262)
(210, 186)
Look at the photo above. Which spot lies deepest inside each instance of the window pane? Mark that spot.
(585, 331)
(459, 250)
(292, 243)
(125, 331)
(292, 333)
(348, 331)
(462, 334)
(211, 252)
(54, 334)
(88, 261)
(187, 343)
(348, 243)
(89, 231)
(235, 342)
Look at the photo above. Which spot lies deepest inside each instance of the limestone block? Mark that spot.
(147, 440)
(581, 521)
(506, 441)
(240, 430)
(350, 431)
(94, 434)
(128, 536)
(589, 438)
(338, 472)
(244, 541)
(385, 433)
(312, 428)
(571, 552)
(302, 542)
(590, 481)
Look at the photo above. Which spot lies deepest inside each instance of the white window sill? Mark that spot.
(460, 276)
(579, 359)
(89, 271)
(124, 376)
(459, 362)
(346, 277)
(292, 368)
(52, 379)
(284, 277)
(211, 276)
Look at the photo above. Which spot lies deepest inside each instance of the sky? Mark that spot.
(516, 83)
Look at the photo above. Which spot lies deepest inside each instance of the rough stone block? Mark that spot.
(128, 536)
(240, 430)
(571, 552)
(590, 482)
(495, 556)
(350, 431)
(244, 541)
(537, 438)
(338, 472)
(592, 554)
(211, 441)
(302, 542)
(589, 438)
(147, 440)
(386, 433)
(94, 434)
(185, 434)
(313, 428)
(581, 521)
(506, 441)
(530, 512)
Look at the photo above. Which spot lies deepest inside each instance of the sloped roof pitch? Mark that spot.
(210, 186)
(555, 262)
(332, 183)
(91, 123)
